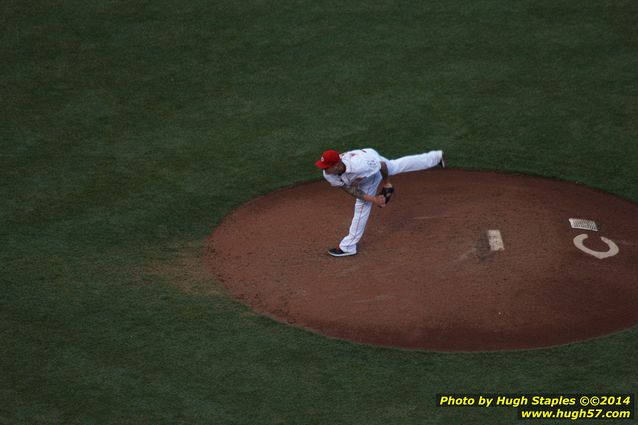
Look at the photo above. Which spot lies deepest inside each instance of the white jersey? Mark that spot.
(360, 165)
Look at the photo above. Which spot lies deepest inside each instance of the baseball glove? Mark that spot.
(387, 193)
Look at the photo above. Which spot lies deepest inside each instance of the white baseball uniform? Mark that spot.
(363, 170)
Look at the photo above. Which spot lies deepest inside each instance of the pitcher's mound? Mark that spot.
(459, 260)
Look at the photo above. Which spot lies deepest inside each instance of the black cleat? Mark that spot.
(337, 252)
(443, 163)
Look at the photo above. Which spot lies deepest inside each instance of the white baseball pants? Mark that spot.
(362, 208)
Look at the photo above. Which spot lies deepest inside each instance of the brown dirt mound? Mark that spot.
(426, 276)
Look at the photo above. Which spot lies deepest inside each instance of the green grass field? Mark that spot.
(130, 129)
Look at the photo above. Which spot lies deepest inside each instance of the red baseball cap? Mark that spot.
(328, 159)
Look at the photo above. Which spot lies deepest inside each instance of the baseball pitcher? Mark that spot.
(359, 173)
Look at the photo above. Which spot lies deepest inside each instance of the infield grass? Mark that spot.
(129, 129)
